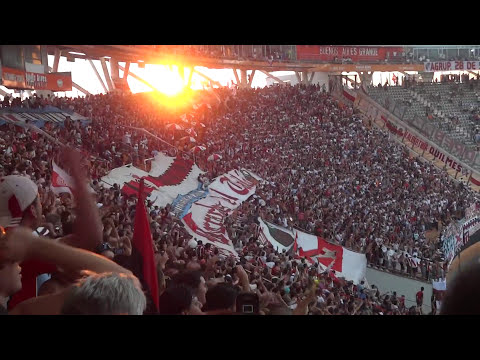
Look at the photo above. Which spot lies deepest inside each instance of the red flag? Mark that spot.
(143, 243)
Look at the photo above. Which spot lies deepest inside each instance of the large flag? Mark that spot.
(206, 217)
(346, 263)
(281, 238)
(167, 178)
(143, 244)
(61, 181)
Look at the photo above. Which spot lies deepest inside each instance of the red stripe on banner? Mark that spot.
(474, 181)
(323, 250)
(175, 175)
(59, 182)
(348, 96)
(262, 237)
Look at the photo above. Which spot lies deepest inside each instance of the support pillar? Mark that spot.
(251, 78)
(305, 77)
(56, 59)
(236, 76)
(79, 88)
(114, 71)
(243, 78)
(366, 79)
(127, 73)
(107, 75)
(189, 82)
(98, 75)
(297, 74)
(281, 82)
(207, 78)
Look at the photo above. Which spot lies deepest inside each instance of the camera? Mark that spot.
(248, 304)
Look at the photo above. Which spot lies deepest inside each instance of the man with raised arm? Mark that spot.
(20, 206)
(20, 245)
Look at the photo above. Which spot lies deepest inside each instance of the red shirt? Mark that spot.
(420, 296)
(30, 270)
(275, 270)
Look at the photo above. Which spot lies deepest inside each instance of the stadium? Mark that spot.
(238, 179)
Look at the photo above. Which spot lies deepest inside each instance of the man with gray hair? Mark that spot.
(105, 294)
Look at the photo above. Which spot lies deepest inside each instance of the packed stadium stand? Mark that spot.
(270, 200)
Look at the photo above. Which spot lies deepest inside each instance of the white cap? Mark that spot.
(16, 194)
(192, 243)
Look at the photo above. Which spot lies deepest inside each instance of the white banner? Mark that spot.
(61, 181)
(439, 284)
(205, 220)
(281, 238)
(451, 66)
(168, 178)
(346, 263)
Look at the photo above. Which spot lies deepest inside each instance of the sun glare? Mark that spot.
(169, 82)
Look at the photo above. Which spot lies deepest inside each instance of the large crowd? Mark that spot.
(324, 169)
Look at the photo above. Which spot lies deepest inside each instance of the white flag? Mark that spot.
(61, 181)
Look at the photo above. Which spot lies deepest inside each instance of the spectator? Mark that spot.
(105, 294)
(179, 300)
(419, 297)
(195, 282)
(221, 299)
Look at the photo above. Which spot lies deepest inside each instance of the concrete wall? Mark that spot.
(402, 285)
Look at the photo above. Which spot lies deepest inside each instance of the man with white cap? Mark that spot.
(19, 202)
(20, 206)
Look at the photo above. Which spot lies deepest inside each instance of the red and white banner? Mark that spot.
(349, 96)
(411, 261)
(168, 178)
(451, 66)
(281, 238)
(205, 220)
(51, 81)
(21, 79)
(346, 263)
(424, 146)
(61, 181)
(356, 53)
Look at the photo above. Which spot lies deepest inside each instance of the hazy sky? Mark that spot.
(159, 76)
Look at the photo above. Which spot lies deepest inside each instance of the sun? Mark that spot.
(169, 82)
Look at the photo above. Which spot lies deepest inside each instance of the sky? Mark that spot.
(160, 76)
